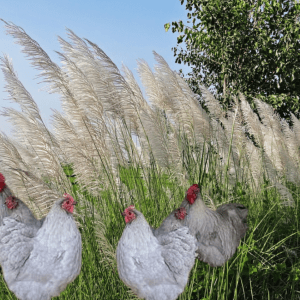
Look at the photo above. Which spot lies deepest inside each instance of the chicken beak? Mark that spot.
(122, 213)
(75, 202)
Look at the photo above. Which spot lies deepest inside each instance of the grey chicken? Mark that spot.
(154, 268)
(11, 206)
(38, 266)
(174, 221)
(218, 232)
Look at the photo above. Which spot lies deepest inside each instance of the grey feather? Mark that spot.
(169, 224)
(15, 246)
(155, 268)
(218, 233)
(39, 265)
(21, 213)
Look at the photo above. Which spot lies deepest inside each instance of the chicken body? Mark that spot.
(155, 269)
(218, 233)
(39, 265)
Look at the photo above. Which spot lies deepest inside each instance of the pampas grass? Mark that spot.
(122, 148)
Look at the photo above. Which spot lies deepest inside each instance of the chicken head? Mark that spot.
(68, 203)
(11, 202)
(129, 214)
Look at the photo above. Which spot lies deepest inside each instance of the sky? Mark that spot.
(125, 30)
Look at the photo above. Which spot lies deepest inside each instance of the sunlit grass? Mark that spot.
(265, 266)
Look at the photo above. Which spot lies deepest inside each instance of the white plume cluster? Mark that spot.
(107, 122)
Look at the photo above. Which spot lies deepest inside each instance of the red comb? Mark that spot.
(68, 197)
(192, 192)
(2, 182)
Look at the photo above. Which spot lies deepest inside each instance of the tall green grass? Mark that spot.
(265, 266)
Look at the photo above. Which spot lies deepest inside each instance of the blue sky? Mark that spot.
(125, 30)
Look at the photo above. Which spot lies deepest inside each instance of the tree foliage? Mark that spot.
(246, 45)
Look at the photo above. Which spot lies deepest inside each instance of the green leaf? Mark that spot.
(237, 37)
(167, 27)
(252, 270)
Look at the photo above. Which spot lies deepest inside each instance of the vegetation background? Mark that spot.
(111, 148)
(249, 46)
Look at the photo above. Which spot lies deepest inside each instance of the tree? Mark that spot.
(246, 45)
